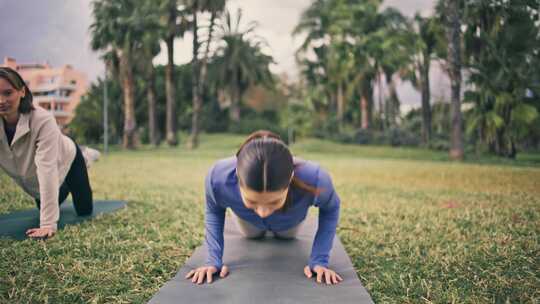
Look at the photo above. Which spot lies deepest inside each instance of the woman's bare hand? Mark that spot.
(323, 274)
(40, 233)
(198, 275)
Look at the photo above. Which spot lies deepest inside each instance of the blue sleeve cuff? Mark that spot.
(217, 265)
(312, 264)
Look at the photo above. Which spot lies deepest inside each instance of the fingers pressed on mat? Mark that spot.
(319, 276)
(195, 277)
(224, 271)
(209, 274)
(308, 272)
(201, 277)
(327, 277)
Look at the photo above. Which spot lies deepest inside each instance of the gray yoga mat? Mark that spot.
(15, 224)
(266, 271)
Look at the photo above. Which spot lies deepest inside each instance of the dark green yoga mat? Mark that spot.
(15, 224)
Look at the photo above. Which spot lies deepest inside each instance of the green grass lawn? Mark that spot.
(418, 228)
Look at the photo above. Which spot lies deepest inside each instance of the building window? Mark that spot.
(73, 82)
(64, 93)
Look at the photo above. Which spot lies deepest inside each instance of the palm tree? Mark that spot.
(240, 62)
(502, 40)
(328, 27)
(319, 94)
(174, 24)
(149, 50)
(200, 67)
(116, 26)
(453, 34)
(340, 64)
(391, 40)
(366, 43)
(365, 91)
(143, 66)
(359, 44)
(429, 44)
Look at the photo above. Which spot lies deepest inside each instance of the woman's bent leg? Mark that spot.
(79, 185)
(289, 233)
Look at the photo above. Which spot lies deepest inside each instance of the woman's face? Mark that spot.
(10, 98)
(263, 203)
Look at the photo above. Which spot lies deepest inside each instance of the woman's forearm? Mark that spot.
(47, 173)
(215, 221)
(322, 244)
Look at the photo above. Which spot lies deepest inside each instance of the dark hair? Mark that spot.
(264, 163)
(18, 83)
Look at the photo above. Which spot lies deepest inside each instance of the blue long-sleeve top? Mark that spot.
(222, 191)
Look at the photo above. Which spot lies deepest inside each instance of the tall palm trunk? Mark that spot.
(234, 110)
(454, 60)
(196, 99)
(426, 96)
(204, 63)
(130, 139)
(197, 102)
(381, 106)
(364, 110)
(392, 108)
(507, 147)
(151, 96)
(340, 105)
(172, 139)
(366, 103)
(368, 93)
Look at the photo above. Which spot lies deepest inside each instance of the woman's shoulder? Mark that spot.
(39, 116)
(223, 170)
(224, 164)
(312, 173)
(306, 170)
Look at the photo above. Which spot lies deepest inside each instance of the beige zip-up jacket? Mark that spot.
(38, 159)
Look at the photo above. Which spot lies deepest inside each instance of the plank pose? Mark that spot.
(268, 190)
(45, 163)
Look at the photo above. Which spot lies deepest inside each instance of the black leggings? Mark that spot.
(78, 184)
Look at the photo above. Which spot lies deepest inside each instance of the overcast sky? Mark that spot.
(56, 31)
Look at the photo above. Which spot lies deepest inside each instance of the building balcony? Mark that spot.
(52, 98)
(60, 113)
(53, 86)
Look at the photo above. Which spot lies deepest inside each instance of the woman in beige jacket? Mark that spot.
(45, 163)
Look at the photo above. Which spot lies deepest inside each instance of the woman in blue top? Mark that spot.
(268, 190)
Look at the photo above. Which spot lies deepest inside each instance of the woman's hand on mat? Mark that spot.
(198, 275)
(40, 233)
(323, 274)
